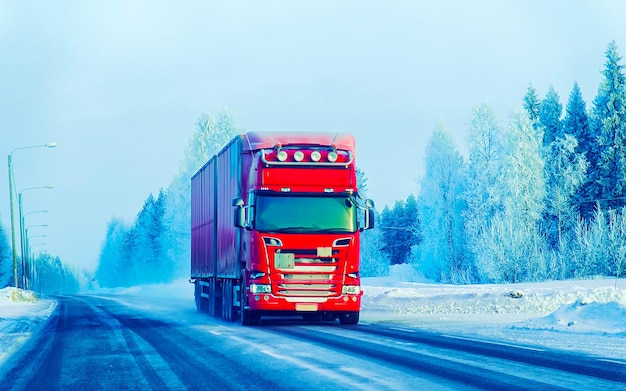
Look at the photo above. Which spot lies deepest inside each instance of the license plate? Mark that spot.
(306, 307)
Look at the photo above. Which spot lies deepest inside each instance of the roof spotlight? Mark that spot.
(316, 156)
(332, 156)
(299, 156)
(282, 156)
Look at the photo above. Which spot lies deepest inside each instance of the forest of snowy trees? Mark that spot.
(540, 198)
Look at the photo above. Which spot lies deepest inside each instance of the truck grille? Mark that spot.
(308, 275)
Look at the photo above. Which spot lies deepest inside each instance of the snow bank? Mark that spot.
(21, 313)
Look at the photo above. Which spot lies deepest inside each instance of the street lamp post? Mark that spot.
(22, 238)
(30, 261)
(11, 190)
(36, 285)
(29, 266)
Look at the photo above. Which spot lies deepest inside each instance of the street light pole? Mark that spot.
(29, 253)
(22, 239)
(29, 260)
(11, 186)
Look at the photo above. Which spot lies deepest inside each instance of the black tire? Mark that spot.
(227, 301)
(250, 318)
(349, 318)
(197, 296)
(215, 299)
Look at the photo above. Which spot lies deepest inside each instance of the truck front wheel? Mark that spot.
(250, 318)
(349, 318)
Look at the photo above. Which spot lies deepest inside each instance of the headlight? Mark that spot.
(351, 290)
(258, 288)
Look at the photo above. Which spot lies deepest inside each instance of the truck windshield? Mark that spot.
(298, 214)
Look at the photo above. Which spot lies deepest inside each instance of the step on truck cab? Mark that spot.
(275, 228)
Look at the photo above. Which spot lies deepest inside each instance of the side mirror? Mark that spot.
(370, 217)
(238, 215)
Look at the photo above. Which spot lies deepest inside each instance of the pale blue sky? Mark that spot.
(119, 85)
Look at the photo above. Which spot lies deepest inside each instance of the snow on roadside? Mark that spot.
(21, 313)
(582, 315)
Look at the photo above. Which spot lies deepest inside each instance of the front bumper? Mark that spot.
(269, 302)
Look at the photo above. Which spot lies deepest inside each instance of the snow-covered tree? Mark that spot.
(565, 173)
(616, 255)
(400, 230)
(441, 254)
(550, 117)
(576, 124)
(6, 263)
(374, 262)
(150, 263)
(576, 121)
(609, 124)
(54, 277)
(511, 246)
(212, 133)
(111, 263)
(532, 105)
(483, 192)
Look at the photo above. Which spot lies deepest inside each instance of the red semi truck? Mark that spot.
(275, 228)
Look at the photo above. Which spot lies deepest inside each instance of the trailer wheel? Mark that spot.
(349, 318)
(227, 301)
(197, 296)
(215, 301)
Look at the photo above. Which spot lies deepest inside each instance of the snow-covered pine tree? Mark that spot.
(150, 264)
(608, 178)
(110, 262)
(532, 105)
(400, 230)
(576, 124)
(550, 117)
(565, 171)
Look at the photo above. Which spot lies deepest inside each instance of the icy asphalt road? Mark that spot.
(100, 343)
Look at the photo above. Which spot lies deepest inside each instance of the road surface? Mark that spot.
(108, 343)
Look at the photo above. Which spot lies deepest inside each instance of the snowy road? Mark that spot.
(122, 343)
